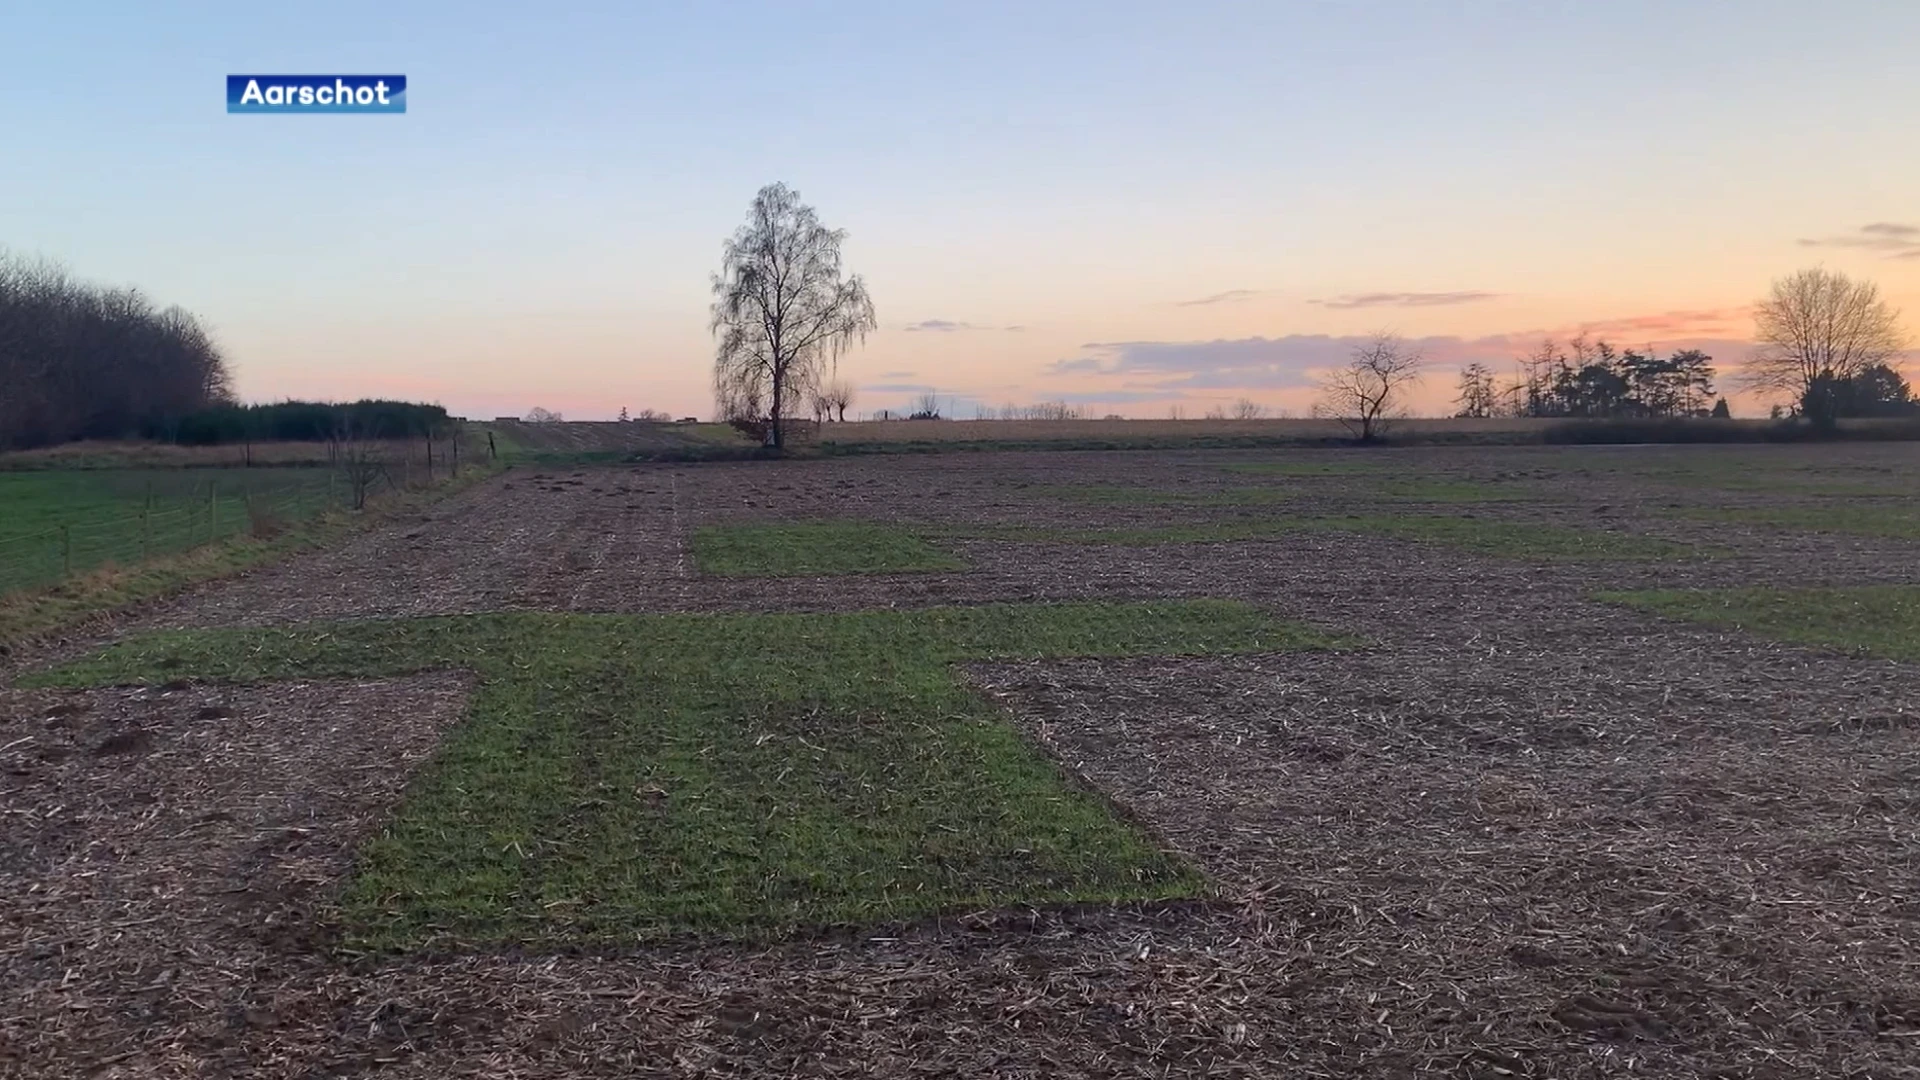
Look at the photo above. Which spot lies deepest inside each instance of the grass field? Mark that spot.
(1898, 519)
(80, 541)
(60, 522)
(640, 778)
(1883, 620)
(1129, 495)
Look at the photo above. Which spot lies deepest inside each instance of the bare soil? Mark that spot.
(1519, 834)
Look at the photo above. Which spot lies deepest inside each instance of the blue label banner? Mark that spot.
(316, 93)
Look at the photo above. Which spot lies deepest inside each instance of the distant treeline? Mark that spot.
(1595, 380)
(86, 361)
(302, 421)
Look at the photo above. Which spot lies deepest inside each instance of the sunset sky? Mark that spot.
(1128, 205)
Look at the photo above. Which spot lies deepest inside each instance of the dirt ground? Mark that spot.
(1520, 833)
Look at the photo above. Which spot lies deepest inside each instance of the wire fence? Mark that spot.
(137, 528)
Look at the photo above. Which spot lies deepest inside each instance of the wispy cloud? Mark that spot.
(898, 388)
(898, 374)
(1115, 397)
(1280, 362)
(1231, 296)
(1296, 361)
(1407, 299)
(1670, 324)
(1893, 239)
(951, 326)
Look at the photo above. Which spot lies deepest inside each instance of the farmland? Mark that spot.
(1472, 761)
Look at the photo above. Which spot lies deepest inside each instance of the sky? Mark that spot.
(1133, 207)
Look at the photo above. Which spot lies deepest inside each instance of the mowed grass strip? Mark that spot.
(1438, 490)
(806, 549)
(621, 779)
(1883, 620)
(1515, 539)
(1899, 521)
(1125, 495)
(1314, 468)
(1388, 480)
(1488, 536)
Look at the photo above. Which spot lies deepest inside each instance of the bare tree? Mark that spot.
(538, 415)
(1819, 326)
(1369, 390)
(362, 461)
(839, 397)
(737, 400)
(1247, 409)
(782, 310)
(925, 407)
(1477, 397)
(363, 465)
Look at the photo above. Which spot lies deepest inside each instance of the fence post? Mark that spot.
(213, 508)
(66, 551)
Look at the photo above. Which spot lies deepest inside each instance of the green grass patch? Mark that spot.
(1797, 484)
(633, 778)
(1453, 491)
(1883, 620)
(1390, 480)
(1124, 495)
(60, 522)
(1313, 468)
(813, 548)
(1515, 539)
(1900, 521)
(31, 611)
(1209, 532)
(1508, 539)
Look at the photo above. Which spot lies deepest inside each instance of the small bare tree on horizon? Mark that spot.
(834, 399)
(782, 310)
(925, 407)
(1817, 326)
(1368, 392)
